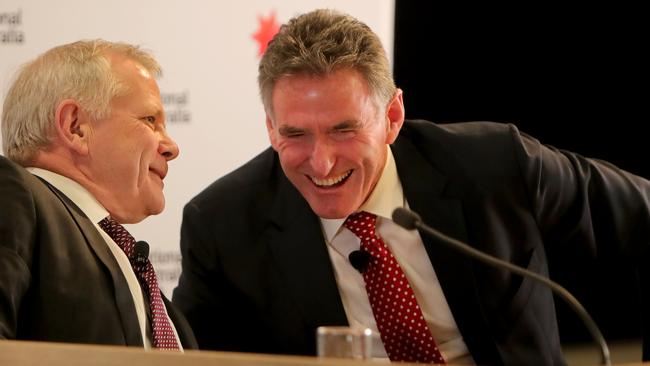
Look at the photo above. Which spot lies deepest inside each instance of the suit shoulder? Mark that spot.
(471, 140)
(14, 179)
(18, 208)
(480, 150)
(462, 132)
(11, 170)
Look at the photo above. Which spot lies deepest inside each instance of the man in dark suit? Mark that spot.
(265, 248)
(87, 121)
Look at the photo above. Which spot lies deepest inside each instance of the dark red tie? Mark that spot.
(163, 333)
(403, 330)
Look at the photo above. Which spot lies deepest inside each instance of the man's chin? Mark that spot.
(331, 213)
(158, 208)
(155, 203)
(328, 206)
(149, 210)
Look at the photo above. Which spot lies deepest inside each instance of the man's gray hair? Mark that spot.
(79, 71)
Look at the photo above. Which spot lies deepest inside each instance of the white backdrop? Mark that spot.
(209, 59)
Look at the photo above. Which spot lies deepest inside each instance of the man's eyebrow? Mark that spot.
(289, 130)
(346, 125)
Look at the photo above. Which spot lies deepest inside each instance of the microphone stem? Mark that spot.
(555, 287)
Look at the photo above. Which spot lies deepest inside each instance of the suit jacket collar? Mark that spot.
(74, 192)
(436, 197)
(183, 328)
(123, 297)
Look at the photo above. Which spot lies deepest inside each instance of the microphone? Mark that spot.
(141, 252)
(411, 220)
(359, 259)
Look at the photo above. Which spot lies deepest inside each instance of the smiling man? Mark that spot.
(332, 136)
(86, 121)
(266, 248)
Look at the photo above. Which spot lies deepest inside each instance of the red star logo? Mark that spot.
(268, 27)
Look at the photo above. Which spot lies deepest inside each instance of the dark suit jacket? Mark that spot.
(58, 279)
(257, 275)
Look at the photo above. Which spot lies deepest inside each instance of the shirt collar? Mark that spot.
(75, 192)
(385, 198)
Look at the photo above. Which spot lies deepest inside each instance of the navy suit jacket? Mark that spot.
(59, 282)
(257, 275)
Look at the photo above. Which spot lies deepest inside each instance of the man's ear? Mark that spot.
(394, 116)
(72, 126)
(270, 129)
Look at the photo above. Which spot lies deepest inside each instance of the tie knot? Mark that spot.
(361, 223)
(119, 234)
(107, 222)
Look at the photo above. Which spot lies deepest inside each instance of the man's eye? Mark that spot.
(291, 133)
(343, 134)
(150, 119)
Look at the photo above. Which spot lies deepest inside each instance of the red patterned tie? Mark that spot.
(403, 330)
(163, 334)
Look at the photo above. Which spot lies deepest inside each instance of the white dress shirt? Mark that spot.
(96, 213)
(408, 249)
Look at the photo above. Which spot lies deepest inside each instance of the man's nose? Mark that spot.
(168, 147)
(323, 158)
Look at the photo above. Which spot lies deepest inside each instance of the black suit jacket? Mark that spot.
(58, 279)
(257, 276)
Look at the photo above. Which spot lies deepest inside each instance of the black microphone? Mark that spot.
(359, 259)
(410, 221)
(141, 252)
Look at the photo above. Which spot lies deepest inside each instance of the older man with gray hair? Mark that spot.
(83, 129)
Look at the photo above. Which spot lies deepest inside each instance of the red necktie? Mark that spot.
(403, 330)
(163, 334)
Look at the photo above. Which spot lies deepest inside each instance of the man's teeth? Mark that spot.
(330, 181)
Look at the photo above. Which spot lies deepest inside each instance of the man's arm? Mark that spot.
(585, 199)
(17, 217)
(196, 294)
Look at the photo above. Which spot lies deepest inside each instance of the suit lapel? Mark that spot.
(298, 247)
(123, 297)
(427, 192)
(181, 325)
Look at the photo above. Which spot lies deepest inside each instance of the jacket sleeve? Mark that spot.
(607, 208)
(197, 296)
(17, 228)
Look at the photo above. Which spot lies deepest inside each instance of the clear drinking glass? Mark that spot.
(344, 342)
